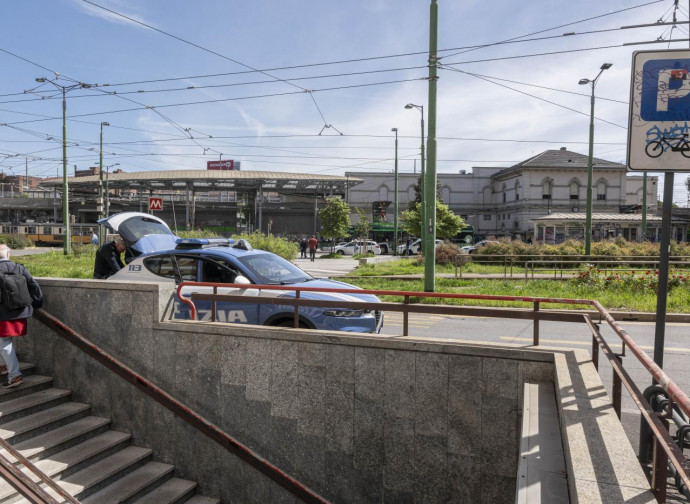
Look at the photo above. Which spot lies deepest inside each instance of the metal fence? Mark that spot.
(666, 450)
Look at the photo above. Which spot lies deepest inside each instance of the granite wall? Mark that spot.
(356, 418)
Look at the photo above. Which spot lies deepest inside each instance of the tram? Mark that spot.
(49, 233)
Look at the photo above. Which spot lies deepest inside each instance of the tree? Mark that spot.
(447, 223)
(363, 227)
(418, 192)
(335, 218)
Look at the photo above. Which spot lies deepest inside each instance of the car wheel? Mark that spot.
(290, 323)
(341, 252)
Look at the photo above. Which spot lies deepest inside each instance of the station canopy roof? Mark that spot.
(215, 180)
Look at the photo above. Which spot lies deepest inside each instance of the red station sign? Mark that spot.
(227, 164)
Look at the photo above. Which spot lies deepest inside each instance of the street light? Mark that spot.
(100, 188)
(107, 191)
(421, 185)
(588, 222)
(395, 204)
(65, 192)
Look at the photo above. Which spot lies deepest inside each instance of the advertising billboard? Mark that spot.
(226, 164)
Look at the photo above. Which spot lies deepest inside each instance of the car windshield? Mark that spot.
(136, 228)
(271, 269)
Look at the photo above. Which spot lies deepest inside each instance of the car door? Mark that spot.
(189, 268)
(219, 270)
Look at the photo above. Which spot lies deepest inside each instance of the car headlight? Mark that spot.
(345, 313)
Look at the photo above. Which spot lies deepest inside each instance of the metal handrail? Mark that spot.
(666, 448)
(23, 484)
(180, 409)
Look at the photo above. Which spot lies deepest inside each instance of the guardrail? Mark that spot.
(665, 448)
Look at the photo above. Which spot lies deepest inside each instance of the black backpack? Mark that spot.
(14, 291)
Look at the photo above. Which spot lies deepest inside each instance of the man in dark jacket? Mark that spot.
(108, 260)
(13, 321)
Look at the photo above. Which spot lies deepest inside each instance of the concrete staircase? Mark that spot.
(89, 460)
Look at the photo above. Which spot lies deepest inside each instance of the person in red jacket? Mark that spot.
(13, 320)
(313, 243)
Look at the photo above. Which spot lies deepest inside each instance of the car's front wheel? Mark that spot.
(341, 252)
(290, 323)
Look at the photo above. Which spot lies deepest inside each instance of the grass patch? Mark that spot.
(678, 299)
(79, 264)
(410, 267)
(332, 256)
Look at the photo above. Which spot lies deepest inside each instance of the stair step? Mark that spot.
(31, 403)
(200, 499)
(68, 461)
(136, 482)
(24, 427)
(25, 368)
(96, 476)
(173, 491)
(57, 439)
(32, 383)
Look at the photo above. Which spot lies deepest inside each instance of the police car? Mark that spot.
(156, 254)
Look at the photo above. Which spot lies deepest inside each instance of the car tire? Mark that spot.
(341, 252)
(290, 323)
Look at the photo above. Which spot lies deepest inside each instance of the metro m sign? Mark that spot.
(155, 203)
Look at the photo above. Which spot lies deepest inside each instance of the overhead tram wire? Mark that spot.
(532, 96)
(518, 38)
(180, 39)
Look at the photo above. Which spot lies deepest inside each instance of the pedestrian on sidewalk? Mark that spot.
(20, 295)
(313, 243)
(303, 248)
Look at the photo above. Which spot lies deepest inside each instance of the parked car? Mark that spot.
(160, 256)
(481, 244)
(358, 247)
(414, 247)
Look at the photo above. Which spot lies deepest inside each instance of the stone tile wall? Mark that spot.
(356, 418)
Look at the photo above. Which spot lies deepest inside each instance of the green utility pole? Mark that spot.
(644, 206)
(429, 222)
(65, 189)
(395, 201)
(101, 230)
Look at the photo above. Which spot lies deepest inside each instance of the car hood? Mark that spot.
(331, 296)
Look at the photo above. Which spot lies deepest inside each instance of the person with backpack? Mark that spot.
(19, 295)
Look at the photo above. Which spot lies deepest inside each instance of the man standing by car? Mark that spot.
(108, 260)
(313, 243)
(21, 294)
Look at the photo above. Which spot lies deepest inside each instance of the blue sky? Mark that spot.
(175, 101)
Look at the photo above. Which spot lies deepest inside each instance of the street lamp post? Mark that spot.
(100, 188)
(421, 186)
(395, 203)
(107, 191)
(65, 189)
(588, 221)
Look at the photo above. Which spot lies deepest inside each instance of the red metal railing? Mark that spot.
(665, 448)
(181, 410)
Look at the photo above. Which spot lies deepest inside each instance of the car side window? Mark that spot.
(187, 268)
(160, 265)
(215, 272)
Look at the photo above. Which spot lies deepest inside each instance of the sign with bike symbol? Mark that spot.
(659, 127)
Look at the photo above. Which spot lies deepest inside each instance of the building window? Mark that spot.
(601, 191)
(487, 217)
(503, 189)
(517, 190)
(546, 189)
(574, 190)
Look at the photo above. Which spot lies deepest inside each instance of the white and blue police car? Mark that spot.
(155, 254)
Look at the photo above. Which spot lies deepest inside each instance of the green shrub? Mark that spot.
(16, 241)
(279, 246)
(447, 252)
(203, 233)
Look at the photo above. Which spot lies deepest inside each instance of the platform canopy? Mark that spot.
(216, 180)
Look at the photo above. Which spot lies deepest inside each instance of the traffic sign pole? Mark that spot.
(665, 252)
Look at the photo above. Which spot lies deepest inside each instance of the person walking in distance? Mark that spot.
(303, 248)
(19, 295)
(313, 243)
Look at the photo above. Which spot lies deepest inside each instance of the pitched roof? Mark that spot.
(560, 158)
